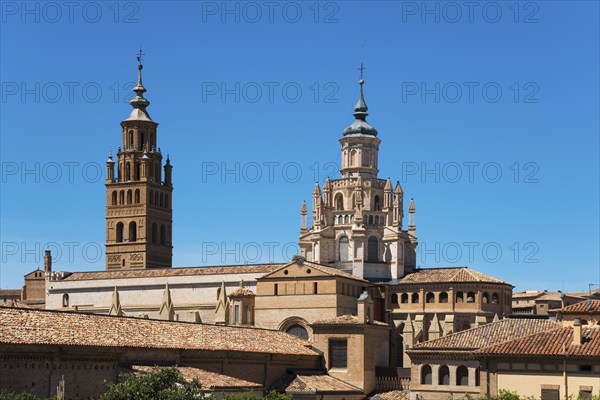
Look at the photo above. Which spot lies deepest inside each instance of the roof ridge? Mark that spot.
(556, 328)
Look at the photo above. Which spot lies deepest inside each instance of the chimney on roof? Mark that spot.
(47, 261)
(577, 332)
(365, 308)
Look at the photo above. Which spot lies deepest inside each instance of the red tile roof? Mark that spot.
(394, 395)
(345, 319)
(299, 382)
(10, 292)
(157, 272)
(487, 335)
(446, 275)
(554, 342)
(208, 379)
(583, 307)
(42, 327)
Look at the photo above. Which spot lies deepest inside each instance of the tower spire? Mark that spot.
(360, 125)
(139, 103)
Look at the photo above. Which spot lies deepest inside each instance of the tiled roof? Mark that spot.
(325, 269)
(526, 293)
(26, 326)
(298, 382)
(488, 334)
(241, 292)
(344, 319)
(208, 379)
(394, 395)
(554, 342)
(446, 275)
(10, 292)
(158, 272)
(583, 307)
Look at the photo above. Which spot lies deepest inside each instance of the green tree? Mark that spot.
(10, 395)
(272, 395)
(160, 384)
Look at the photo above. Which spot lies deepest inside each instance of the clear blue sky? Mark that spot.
(264, 90)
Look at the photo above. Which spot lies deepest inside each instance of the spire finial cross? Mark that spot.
(362, 59)
(140, 55)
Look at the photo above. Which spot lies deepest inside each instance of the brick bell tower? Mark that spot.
(139, 216)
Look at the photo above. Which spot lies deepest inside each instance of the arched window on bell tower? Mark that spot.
(130, 141)
(120, 232)
(339, 202)
(132, 231)
(376, 204)
(142, 141)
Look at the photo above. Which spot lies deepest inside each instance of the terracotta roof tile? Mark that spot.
(10, 292)
(583, 307)
(208, 379)
(344, 319)
(445, 275)
(27, 326)
(157, 272)
(555, 342)
(488, 334)
(313, 382)
(394, 395)
(241, 292)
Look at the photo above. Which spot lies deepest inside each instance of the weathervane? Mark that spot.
(140, 55)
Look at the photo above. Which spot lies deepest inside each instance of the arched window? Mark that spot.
(430, 298)
(298, 331)
(376, 204)
(163, 234)
(137, 171)
(444, 375)
(395, 298)
(142, 140)
(127, 171)
(404, 298)
(415, 297)
(352, 158)
(166, 201)
(486, 298)
(130, 140)
(470, 297)
(462, 376)
(494, 298)
(377, 220)
(154, 233)
(373, 249)
(137, 196)
(114, 198)
(459, 297)
(129, 196)
(65, 300)
(132, 231)
(339, 202)
(425, 375)
(120, 227)
(370, 220)
(151, 199)
(343, 248)
(162, 198)
(443, 297)
(122, 197)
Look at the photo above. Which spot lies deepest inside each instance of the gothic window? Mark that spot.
(459, 297)
(370, 219)
(114, 198)
(415, 297)
(65, 300)
(444, 375)
(122, 197)
(137, 196)
(425, 375)
(151, 196)
(404, 298)
(338, 353)
(430, 298)
(339, 202)
(462, 376)
(154, 232)
(129, 196)
(470, 297)
(298, 331)
(142, 140)
(127, 171)
(163, 238)
(343, 248)
(494, 298)
(120, 232)
(132, 231)
(137, 171)
(376, 205)
(130, 144)
(395, 298)
(373, 248)
(352, 158)
(486, 298)
(443, 297)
